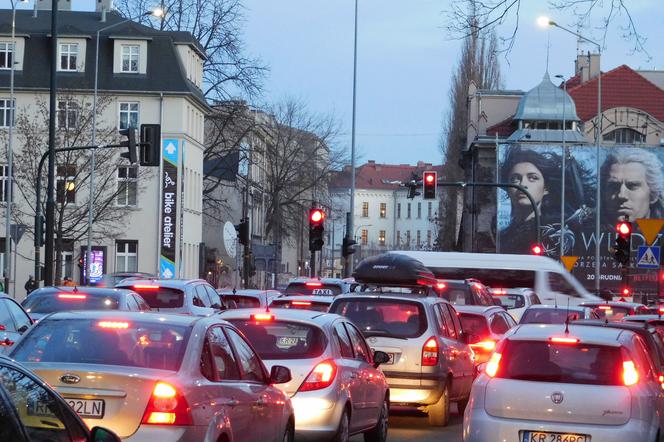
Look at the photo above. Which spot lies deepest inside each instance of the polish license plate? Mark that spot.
(540, 436)
(88, 408)
(287, 341)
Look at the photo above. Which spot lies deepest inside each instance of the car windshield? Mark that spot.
(511, 301)
(300, 305)
(549, 316)
(313, 288)
(108, 342)
(57, 302)
(564, 363)
(243, 301)
(283, 339)
(474, 324)
(160, 297)
(384, 317)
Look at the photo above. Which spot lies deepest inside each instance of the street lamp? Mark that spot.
(351, 217)
(9, 180)
(564, 159)
(156, 12)
(545, 22)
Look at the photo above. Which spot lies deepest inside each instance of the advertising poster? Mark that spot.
(169, 207)
(631, 181)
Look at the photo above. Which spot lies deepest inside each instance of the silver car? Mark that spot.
(159, 377)
(188, 296)
(14, 321)
(337, 389)
(577, 384)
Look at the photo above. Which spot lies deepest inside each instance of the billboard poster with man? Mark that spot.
(631, 185)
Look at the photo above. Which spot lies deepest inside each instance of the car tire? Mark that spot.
(439, 413)
(461, 405)
(289, 434)
(379, 432)
(343, 430)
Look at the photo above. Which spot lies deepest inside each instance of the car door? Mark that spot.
(460, 355)
(8, 331)
(267, 406)
(351, 374)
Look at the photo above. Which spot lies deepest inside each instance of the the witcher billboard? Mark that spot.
(631, 185)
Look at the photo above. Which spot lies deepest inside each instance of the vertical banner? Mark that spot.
(169, 207)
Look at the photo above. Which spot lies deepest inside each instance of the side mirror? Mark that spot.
(280, 375)
(100, 434)
(380, 357)
(23, 329)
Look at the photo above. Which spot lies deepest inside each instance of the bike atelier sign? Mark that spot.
(169, 206)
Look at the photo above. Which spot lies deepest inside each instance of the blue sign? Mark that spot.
(648, 257)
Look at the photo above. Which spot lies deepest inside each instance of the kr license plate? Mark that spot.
(539, 436)
(88, 408)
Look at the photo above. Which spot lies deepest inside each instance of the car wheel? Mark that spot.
(379, 432)
(343, 430)
(439, 413)
(462, 404)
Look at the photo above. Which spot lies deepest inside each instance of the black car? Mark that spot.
(464, 292)
(31, 411)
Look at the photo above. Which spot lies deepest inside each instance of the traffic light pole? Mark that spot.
(312, 266)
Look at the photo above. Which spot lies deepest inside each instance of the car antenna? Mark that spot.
(567, 319)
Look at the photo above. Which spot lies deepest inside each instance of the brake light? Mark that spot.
(262, 317)
(441, 285)
(167, 407)
(146, 286)
(301, 303)
(313, 284)
(488, 345)
(493, 365)
(630, 375)
(320, 377)
(73, 296)
(604, 307)
(563, 340)
(499, 291)
(430, 353)
(118, 325)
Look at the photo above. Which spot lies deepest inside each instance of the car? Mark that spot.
(552, 314)
(656, 321)
(14, 321)
(153, 376)
(430, 362)
(317, 303)
(319, 286)
(485, 326)
(515, 300)
(337, 389)
(188, 296)
(464, 292)
(248, 298)
(616, 310)
(110, 279)
(47, 300)
(30, 410)
(555, 382)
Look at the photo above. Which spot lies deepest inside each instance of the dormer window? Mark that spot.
(6, 55)
(624, 135)
(130, 58)
(68, 56)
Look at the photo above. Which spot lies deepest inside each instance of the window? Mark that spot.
(127, 186)
(68, 112)
(408, 211)
(383, 210)
(20, 318)
(365, 237)
(7, 109)
(428, 238)
(419, 210)
(381, 237)
(399, 210)
(252, 369)
(126, 256)
(419, 239)
(625, 135)
(68, 262)
(68, 55)
(130, 58)
(359, 344)
(225, 364)
(408, 238)
(365, 209)
(66, 184)
(4, 183)
(6, 55)
(128, 115)
(345, 345)
(398, 238)
(429, 209)
(499, 325)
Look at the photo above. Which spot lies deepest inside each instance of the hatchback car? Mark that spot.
(47, 300)
(31, 411)
(616, 310)
(14, 321)
(322, 286)
(464, 292)
(188, 296)
(558, 383)
(485, 326)
(430, 364)
(551, 314)
(248, 298)
(159, 377)
(317, 303)
(515, 301)
(337, 389)
(110, 279)
(656, 321)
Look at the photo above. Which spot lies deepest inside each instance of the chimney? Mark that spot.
(371, 163)
(587, 66)
(103, 6)
(420, 164)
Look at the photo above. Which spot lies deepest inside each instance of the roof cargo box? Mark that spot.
(393, 269)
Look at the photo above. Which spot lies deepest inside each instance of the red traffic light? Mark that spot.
(626, 291)
(316, 216)
(429, 178)
(430, 181)
(624, 228)
(537, 249)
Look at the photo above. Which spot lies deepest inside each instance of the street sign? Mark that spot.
(17, 231)
(650, 228)
(648, 257)
(569, 261)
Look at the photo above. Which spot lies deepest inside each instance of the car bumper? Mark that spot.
(478, 426)
(415, 389)
(151, 433)
(316, 417)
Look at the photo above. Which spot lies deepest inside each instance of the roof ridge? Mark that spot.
(604, 74)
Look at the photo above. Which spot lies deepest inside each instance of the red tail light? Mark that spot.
(630, 375)
(167, 407)
(486, 345)
(313, 284)
(493, 365)
(301, 303)
(430, 353)
(113, 324)
(146, 286)
(257, 317)
(563, 340)
(604, 307)
(320, 377)
(440, 285)
(72, 296)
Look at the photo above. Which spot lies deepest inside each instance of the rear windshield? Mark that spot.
(300, 305)
(549, 316)
(53, 302)
(91, 341)
(301, 288)
(161, 297)
(384, 317)
(564, 363)
(511, 301)
(458, 296)
(283, 339)
(243, 301)
(612, 312)
(502, 278)
(474, 324)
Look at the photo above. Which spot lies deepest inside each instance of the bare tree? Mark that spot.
(216, 24)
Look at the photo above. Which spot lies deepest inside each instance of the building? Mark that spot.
(144, 76)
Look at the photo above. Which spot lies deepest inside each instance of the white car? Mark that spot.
(575, 384)
(159, 377)
(515, 301)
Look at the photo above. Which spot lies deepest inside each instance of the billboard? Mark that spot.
(169, 207)
(631, 181)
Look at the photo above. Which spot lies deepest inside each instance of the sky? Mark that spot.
(404, 63)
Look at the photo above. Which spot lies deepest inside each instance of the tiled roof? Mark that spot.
(503, 129)
(379, 176)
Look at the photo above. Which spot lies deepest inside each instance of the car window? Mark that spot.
(6, 319)
(384, 316)
(202, 296)
(345, 345)
(223, 359)
(9, 429)
(558, 283)
(142, 305)
(359, 344)
(252, 369)
(644, 358)
(57, 302)
(214, 297)
(534, 299)
(510, 320)
(21, 319)
(498, 324)
(473, 324)
(205, 364)
(453, 331)
(132, 305)
(440, 320)
(159, 297)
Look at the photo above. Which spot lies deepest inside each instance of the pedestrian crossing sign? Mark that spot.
(648, 257)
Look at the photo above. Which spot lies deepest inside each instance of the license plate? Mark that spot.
(322, 292)
(287, 341)
(540, 436)
(88, 408)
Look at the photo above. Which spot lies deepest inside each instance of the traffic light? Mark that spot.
(243, 231)
(130, 144)
(316, 229)
(40, 230)
(347, 247)
(537, 250)
(623, 243)
(149, 146)
(429, 182)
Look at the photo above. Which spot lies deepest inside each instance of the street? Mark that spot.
(407, 425)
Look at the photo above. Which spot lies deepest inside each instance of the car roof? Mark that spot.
(613, 303)
(477, 309)
(249, 292)
(168, 283)
(635, 326)
(314, 298)
(644, 318)
(542, 332)
(319, 318)
(425, 299)
(92, 291)
(323, 280)
(168, 318)
(574, 308)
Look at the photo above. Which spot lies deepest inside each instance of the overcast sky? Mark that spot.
(405, 60)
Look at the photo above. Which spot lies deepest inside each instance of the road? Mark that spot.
(413, 426)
